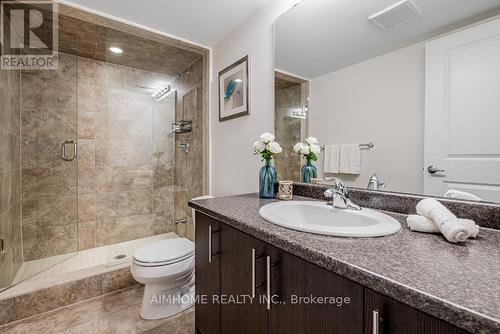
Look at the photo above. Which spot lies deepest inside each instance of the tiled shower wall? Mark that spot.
(121, 187)
(49, 201)
(189, 167)
(288, 132)
(10, 176)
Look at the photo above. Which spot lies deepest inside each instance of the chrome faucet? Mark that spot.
(340, 191)
(374, 183)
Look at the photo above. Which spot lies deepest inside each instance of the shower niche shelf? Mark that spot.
(182, 126)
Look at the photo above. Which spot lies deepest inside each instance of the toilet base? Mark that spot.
(158, 303)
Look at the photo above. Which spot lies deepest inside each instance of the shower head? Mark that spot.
(161, 93)
(158, 93)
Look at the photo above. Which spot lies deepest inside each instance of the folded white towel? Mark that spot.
(331, 161)
(350, 159)
(461, 195)
(423, 224)
(446, 221)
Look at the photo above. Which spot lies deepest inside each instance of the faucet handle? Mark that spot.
(340, 186)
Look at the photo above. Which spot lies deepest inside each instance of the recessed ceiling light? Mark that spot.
(238, 80)
(114, 49)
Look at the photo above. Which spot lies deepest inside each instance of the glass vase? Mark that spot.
(309, 172)
(267, 181)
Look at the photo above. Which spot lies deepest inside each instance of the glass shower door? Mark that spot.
(49, 167)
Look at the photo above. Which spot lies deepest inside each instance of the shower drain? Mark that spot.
(120, 256)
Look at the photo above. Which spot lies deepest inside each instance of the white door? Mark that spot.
(462, 113)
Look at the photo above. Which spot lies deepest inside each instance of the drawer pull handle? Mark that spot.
(268, 282)
(253, 272)
(376, 322)
(209, 244)
(210, 253)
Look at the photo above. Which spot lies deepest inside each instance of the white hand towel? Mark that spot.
(331, 162)
(350, 159)
(446, 221)
(423, 224)
(461, 195)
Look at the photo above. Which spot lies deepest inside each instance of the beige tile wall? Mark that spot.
(189, 167)
(10, 175)
(287, 132)
(121, 187)
(49, 184)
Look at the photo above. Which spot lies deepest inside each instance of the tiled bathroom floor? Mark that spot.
(109, 314)
(77, 265)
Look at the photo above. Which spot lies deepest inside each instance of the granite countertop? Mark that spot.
(456, 283)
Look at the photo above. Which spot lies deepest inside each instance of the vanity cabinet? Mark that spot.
(293, 278)
(242, 278)
(207, 264)
(253, 287)
(384, 315)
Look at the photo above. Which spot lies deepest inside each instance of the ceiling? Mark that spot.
(90, 40)
(280, 84)
(204, 22)
(284, 81)
(321, 36)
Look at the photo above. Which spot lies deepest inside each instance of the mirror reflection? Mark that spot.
(402, 96)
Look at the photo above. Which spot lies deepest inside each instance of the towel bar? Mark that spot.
(367, 146)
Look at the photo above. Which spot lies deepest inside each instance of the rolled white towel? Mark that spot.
(423, 224)
(471, 226)
(461, 195)
(446, 221)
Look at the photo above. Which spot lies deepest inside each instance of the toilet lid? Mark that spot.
(164, 251)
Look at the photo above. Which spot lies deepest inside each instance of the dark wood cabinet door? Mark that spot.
(207, 234)
(242, 281)
(398, 318)
(296, 282)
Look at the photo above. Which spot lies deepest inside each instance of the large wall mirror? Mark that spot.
(418, 79)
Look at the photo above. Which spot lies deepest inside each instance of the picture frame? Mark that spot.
(233, 90)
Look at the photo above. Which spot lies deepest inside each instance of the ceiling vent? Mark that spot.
(395, 15)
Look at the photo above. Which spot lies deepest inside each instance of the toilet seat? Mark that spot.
(164, 252)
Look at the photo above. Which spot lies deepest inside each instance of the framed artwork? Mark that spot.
(233, 90)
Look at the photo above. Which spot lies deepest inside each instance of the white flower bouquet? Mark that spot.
(308, 150)
(266, 147)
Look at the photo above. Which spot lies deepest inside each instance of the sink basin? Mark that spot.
(319, 218)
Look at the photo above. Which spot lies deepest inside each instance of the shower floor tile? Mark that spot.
(36, 274)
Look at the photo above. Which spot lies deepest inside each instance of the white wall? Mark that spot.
(380, 100)
(233, 167)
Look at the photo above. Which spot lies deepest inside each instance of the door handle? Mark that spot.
(253, 272)
(63, 150)
(268, 282)
(375, 322)
(433, 170)
(253, 278)
(210, 254)
(75, 149)
(209, 243)
(269, 295)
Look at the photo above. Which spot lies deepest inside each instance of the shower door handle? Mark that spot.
(63, 150)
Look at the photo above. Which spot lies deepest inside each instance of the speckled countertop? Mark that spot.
(457, 283)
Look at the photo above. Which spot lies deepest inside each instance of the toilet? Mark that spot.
(166, 268)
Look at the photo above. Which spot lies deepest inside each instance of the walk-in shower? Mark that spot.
(90, 167)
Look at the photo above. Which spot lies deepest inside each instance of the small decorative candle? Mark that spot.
(285, 191)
